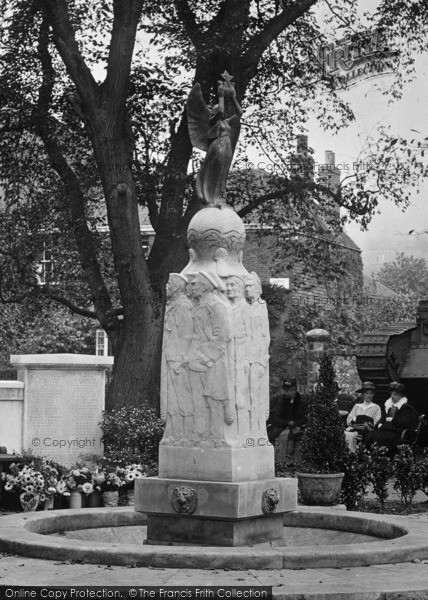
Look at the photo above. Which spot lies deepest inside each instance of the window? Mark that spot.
(101, 345)
(45, 268)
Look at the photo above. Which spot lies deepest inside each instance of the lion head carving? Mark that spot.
(184, 500)
(270, 501)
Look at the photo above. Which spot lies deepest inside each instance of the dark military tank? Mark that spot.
(398, 352)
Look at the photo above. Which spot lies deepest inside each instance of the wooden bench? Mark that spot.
(410, 437)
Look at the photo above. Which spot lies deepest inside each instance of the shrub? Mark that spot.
(408, 476)
(424, 473)
(132, 435)
(380, 473)
(323, 445)
(357, 469)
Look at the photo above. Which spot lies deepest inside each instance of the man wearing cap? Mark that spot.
(286, 421)
(399, 415)
(363, 417)
(176, 397)
(208, 363)
(259, 354)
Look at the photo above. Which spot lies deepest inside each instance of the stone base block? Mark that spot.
(170, 530)
(220, 464)
(218, 500)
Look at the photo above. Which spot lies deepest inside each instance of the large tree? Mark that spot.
(93, 118)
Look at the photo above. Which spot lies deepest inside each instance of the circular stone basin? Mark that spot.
(293, 536)
(313, 538)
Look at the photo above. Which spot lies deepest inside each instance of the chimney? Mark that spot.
(302, 163)
(329, 175)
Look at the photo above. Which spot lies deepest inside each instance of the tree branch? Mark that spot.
(44, 127)
(65, 41)
(270, 32)
(301, 184)
(188, 20)
(125, 23)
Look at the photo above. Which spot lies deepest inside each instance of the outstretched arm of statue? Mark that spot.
(238, 109)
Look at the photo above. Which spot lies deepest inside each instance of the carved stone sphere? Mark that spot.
(210, 230)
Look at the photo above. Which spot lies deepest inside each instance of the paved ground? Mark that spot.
(365, 583)
(404, 581)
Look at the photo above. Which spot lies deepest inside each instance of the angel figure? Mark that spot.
(217, 134)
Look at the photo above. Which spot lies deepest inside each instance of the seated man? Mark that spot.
(285, 422)
(363, 417)
(399, 415)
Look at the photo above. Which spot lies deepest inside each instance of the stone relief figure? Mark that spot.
(176, 397)
(215, 131)
(242, 339)
(259, 354)
(209, 363)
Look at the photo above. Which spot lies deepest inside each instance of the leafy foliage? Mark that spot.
(408, 475)
(132, 436)
(323, 443)
(381, 472)
(356, 467)
(43, 327)
(406, 275)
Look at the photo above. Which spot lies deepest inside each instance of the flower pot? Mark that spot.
(93, 500)
(318, 489)
(59, 501)
(48, 504)
(29, 502)
(130, 497)
(111, 499)
(75, 500)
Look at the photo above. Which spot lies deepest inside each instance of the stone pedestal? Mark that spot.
(220, 464)
(317, 342)
(214, 513)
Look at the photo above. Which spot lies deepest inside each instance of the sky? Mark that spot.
(388, 231)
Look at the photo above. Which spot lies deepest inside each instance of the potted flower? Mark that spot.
(109, 487)
(28, 483)
(93, 499)
(76, 480)
(51, 476)
(131, 473)
(323, 445)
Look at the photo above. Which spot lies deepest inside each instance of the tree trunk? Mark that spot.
(137, 358)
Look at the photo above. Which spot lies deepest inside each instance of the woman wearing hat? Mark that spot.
(399, 415)
(363, 416)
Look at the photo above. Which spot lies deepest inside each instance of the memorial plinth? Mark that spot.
(63, 403)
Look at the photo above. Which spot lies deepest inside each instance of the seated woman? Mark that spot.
(399, 415)
(363, 417)
(285, 422)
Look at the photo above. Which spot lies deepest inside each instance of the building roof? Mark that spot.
(375, 289)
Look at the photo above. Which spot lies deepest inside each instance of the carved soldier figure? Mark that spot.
(208, 363)
(241, 335)
(259, 355)
(176, 397)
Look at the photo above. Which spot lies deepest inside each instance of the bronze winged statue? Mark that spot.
(215, 131)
